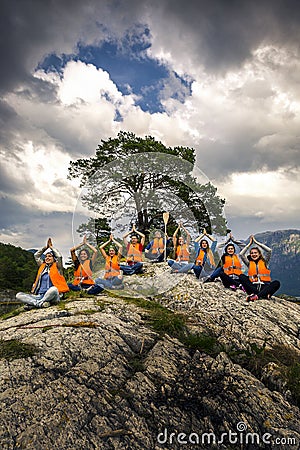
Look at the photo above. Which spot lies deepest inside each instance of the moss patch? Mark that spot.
(15, 349)
(286, 359)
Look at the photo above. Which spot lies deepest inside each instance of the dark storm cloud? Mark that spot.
(14, 214)
(222, 33)
(30, 29)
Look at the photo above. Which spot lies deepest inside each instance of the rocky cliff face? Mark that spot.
(194, 367)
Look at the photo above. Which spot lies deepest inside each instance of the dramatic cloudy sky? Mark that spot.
(222, 77)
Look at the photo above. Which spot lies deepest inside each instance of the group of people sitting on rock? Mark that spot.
(50, 284)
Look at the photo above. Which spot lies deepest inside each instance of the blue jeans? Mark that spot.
(109, 283)
(51, 296)
(180, 267)
(130, 270)
(216, 273)
(79, 287)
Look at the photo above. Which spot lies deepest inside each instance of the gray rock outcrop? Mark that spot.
(103, 378)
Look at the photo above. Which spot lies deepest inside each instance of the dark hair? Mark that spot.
(226, 251)
(134, 235)
(204, 240)
(84, 250)
(226, 248)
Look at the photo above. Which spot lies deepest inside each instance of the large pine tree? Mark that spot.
(134, 179)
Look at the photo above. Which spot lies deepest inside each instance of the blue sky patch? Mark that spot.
(129, 68)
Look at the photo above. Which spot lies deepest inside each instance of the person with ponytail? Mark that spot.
(83, 263)
(205, 257)
(258, 283)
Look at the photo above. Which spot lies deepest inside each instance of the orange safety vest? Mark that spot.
(232, 265)
(158, 245)
(182, 253)
(112, 267)
(258, 271)
(134, 254)
(200, 258)
(83, 273)
(56, 278)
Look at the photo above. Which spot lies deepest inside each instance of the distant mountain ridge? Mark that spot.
(285, 259)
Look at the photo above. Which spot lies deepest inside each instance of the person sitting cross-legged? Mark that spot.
(113, 278)
(50, 283)
(181, 264)
(258, 283)
(205, 262)
(83, 263)
(155, 250)
(134, 249)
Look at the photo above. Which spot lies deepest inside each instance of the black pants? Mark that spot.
(266, 291)
(228, 281)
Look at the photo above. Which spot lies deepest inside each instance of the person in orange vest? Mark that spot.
(181, 263)
(230, 269)
(50, 284)
(134, 249)
(83, 275)
(113, 275)
(258, 283)
(205, 256)
(154, 251)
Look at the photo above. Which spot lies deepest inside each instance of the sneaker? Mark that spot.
(251, 298)
(233, 287)
(242, 288)
(45, 305)
(208, 280)
(28, 307)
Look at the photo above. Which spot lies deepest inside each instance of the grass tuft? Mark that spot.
(15, 349)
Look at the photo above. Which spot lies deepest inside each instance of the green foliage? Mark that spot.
(15, 349)
(17, 268)
(202, 342)
(13, 311)
(164, 321)
(120, 180)
(96, 231)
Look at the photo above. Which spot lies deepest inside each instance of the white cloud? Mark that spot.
(244, 126)
(44, 171)
(270, 197)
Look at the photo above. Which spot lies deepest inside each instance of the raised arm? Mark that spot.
(267, 249)
(188, 236)
(91, 247)
(204, 234)
(102, 246)
(175, 235)
(125, 236)
(120, 248)
(142, 236)
(244, 251)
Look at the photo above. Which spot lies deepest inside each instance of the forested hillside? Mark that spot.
(17, 268)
